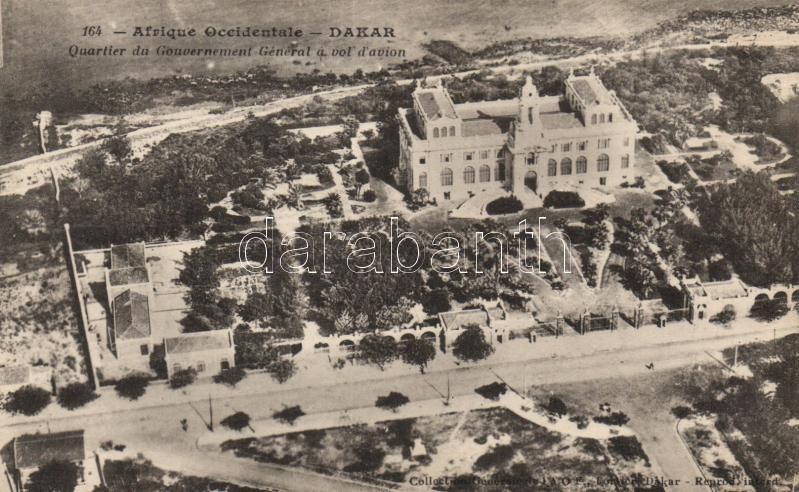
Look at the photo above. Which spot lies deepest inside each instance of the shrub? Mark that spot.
(725, 316)
(563, 199)
(288, 414)
(27, 400)
(492, 391)
(183, 378)
(504, 205)
(369, 196)
(628, 448)
(282, 370)
(230, 377)
(75, 395)
(615, 418)
(218, 212)
(132, 386)
(769, 310)
(496, 457)
(392, 401)
(222, 227)
(236, 421)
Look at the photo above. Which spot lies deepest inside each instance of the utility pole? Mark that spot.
(449, 393)
(211, 414)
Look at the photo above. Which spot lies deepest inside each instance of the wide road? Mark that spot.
(156, 431)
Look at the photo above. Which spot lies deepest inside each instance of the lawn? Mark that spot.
(718, 167)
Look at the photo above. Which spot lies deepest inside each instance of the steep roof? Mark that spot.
(455, 320)
(198, 342)
(35, 450)
(131, 316)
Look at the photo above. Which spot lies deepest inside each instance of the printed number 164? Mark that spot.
(92, 31)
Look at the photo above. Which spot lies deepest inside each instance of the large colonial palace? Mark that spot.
(582, 139)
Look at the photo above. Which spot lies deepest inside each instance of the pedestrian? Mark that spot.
(184, 424)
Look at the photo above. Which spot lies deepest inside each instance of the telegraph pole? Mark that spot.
(211, 414)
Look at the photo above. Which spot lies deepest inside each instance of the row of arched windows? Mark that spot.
(581, 164)
(443, 132)
(484, 175)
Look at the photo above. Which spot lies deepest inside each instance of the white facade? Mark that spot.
(584, 138)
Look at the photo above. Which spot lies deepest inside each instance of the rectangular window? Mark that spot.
(627, 142)
(445, 157)
(603, 143)
(603, 181)
(581, 145)
(499, 153)
(483, 155)
(144, 349)
(468, 156)
(625, 161)
(422, 160)
(567, 147)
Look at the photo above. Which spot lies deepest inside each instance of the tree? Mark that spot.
(282, 370)
(492, 391)
(557, 406)
(230, 377)
(681, 412)
(288, 414)
(437, 301)
(391, 401)
(183, 378)
(118, 147)
(236, 421)
(76, 395)
(132, 386)
(27, 400)
(257, 307)
(56, 476)
(378, 350)
(361, 178)
(332, 203)
(471, 345)
(418, 352)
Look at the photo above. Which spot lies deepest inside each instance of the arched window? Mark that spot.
(566, 166)
(602, 118)
(435, 132)
(582, 165)
(444, 132)
(610, 117)
(593, 119)
(603, 163)
(530, 159)
(452, 131)
(423, 180)
(446, 177)
(500, 172)
(485, 173)
(468, 174)
(552, 167)
(625, 161)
